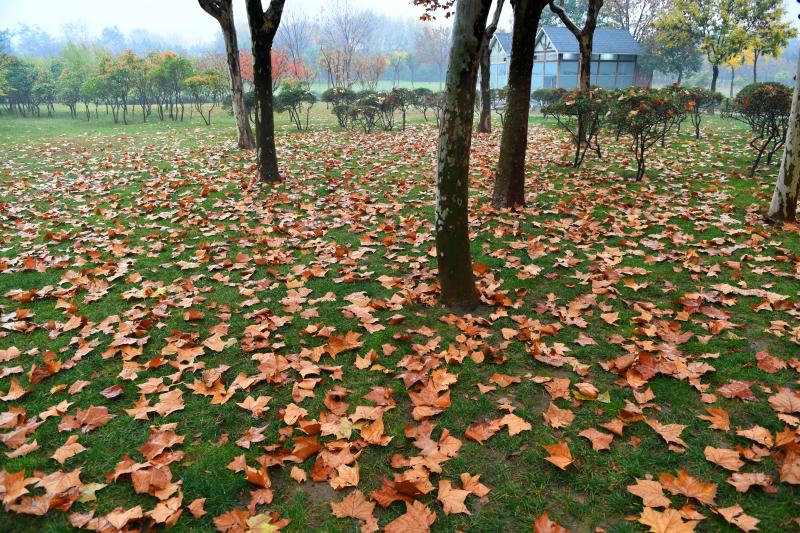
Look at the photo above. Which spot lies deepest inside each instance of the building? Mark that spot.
(556, 55)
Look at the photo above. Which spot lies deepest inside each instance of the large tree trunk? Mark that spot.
(263, 26)
(485, 120)
(222, 10)
(453, 255)
(509, 181)
(585, 79)
(784, 201)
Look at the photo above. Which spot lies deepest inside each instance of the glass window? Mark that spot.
(569, 82)
(536, 82)
(626, 67)
(570, 57)
(608, 57)
(606, 82)
(569, 67)
(607, 68)
(623, 57)
(595, 67)
(550, 82)
(538, 67)
(550, 67)
(624, 81)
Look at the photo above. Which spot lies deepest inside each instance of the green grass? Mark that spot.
(167, 193)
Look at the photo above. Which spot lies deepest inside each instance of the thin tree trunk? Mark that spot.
(680, 76)
(784, 200)
(733, 74)
(509, 181)
(756, 53)
(453, 254)
(485, 119)
(263, 26)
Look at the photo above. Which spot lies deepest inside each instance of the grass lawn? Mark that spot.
(244, 338)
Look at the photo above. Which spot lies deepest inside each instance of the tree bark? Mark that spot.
(263, 27)
(733, 74)
(485, 119)
(222, 11)
(458, 290)
(784, 200)
(509, 181)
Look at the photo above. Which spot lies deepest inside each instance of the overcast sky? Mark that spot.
(181, 19)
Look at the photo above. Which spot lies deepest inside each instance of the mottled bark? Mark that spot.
(509, 180)
(485, 119)
(222, 11)
(453, 254)
(263, 26)
(784, 200)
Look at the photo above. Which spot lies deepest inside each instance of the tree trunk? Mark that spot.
(222, 10)
(453, 254)
(756, 53)
(784, 201)
(733, 74)
(485, 120)
(714, 78)
(509, 181)
(585, 38)
(263, 26)
(680, 76)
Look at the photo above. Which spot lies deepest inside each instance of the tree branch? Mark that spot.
(565, 19)
(492, 27)
(212, 7)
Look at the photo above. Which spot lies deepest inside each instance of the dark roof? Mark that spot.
(606, 41)
(505, 41)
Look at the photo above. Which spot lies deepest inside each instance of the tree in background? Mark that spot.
(783, 206)
(485, 118)
(719, 25)
(397, 59)
(263, 27)
(768, 30)
(433, 46)
(584, 36)
(205, 88)
(458, 290)
(637, 16)
(674, 48)
(343, 35)
(295, 37)
(222, 11)
(575, 10)
(509, 180)
(369, 69)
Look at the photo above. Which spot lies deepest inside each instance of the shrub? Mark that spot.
(547, 97)
(367, 110)
(341, 100)
(581, 114)
(700, 101)
(421, 100)
(765, 107)
(295, 98)
(646, 115)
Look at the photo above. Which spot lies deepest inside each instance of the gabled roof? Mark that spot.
(505, 41)
(606, 41)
